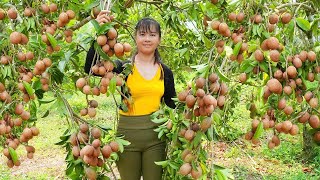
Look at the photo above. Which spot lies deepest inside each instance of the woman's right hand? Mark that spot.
(104, 17)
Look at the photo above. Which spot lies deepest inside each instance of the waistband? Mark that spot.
(136, 122)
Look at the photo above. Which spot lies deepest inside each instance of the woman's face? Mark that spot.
(147, 41)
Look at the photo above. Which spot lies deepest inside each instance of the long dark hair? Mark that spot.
(145, 25)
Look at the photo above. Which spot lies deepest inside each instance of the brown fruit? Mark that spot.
(287, 90)
(83, 111)
(258, 55)
(93, 103)
(297, 62)
(25, 115)
(303, 56)
(288, 110)
(304, 117)
(2, 14)
(53, 7)
(243, 77)
(84, 128)
(308, 96)
(275, 139)
(248, 135)
(314, 121)
(185, 169)
(106, 151)
(118, 48)
(15, 37)
(126, 47)
(196, 173)
(257, 19)
(312, 56)
(221, 100)
(73, 139)
(274, 55)
(223, 27)
(282, 103)
(86, 89)
(223, 88)
(45, 8)
(92, 112)
(294, 130)
(12, 13)
(96, 133)
(313, 102)
(286, 18)
(292, 72)
(240, 17)
(76, 151)
(316, 136)
(81, 82)
(274, 86)
(215, 25)
(19, 109)
(112, 33)
(71, 14)
(102, 40)
(189, 135)
(273, 19)
(90, 173)
(232, 16)
(35, 131)
(190, 100)
(310, 77)
(255, 124)
(200, 82)
(182, 95)
(278, 74)
(206, 124)
(114, 146)
(273, 43)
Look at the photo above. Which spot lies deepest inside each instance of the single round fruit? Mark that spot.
(314, 121)
(274, 86)
(258, 55)
(185, 169)
(12, 13)
(15, 37)
(286, 18)
(274, 55)
(112, 33)
(114, 146)
(240, 17)
(273, 19)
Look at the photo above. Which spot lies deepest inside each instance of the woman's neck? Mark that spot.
(144, 59)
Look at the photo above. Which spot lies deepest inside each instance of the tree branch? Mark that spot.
(77, 26)
(150, 2)
(297, 4)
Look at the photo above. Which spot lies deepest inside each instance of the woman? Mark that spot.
(149, 83)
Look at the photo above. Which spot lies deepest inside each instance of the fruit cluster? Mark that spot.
(207, 95)
(8, 127)
(110, 45)
(87, 145)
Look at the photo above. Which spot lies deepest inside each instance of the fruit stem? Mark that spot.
(114, 175)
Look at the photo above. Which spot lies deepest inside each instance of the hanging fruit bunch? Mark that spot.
(189, 128)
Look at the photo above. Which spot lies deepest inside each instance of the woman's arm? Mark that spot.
(169, 91)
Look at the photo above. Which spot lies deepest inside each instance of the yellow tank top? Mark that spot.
(146, 94)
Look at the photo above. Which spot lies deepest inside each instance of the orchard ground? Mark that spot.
(244, 160)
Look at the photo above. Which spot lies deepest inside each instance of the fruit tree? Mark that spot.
(215, 48)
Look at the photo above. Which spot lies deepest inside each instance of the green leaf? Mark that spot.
(124, 142)
(95, 25)
(28, 88)
(311, 85)
(105, 28)
(13, 154)
(52, 40)
(303, 23)
(162, 163)
(158, 121)
(222, 76)
(112, 85)
(237, 48)
(100, 52)
(45, 114)
(259, 131)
